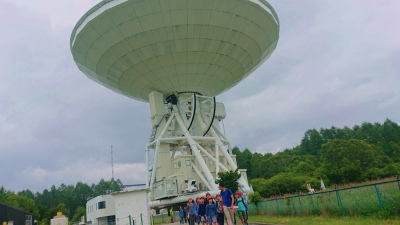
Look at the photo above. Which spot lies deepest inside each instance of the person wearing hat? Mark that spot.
(211, 212)
(220, 210)
(208, 195)
(241, 203)
(190, 212)
(202, 211)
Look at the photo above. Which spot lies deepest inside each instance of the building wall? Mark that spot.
(8, 213)
(132, 203)
(102, 220)
(93, 213)
(59, 221)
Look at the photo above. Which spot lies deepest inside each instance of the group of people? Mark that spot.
(213, 211)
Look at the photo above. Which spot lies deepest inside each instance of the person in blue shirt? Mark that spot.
(211, 212)
(196, 210)
(202, 210)
(241, 203)
(227, 201)
(181, 215)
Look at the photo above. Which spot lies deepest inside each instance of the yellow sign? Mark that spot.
(59, 213)
(4, 223)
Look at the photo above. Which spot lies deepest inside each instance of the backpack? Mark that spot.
(243, 201)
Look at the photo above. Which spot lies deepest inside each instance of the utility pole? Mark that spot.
(112, 169)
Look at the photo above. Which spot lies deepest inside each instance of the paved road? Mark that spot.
(250, 223)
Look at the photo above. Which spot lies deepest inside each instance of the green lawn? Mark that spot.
(321, 220)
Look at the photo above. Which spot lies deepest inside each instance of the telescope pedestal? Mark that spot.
(181, 154)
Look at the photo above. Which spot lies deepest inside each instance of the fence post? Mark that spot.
(299, 203)
(130, 220)
(266, 207)
(277, 203)
(398, 184)
(141, 219)
(340, 201)
(379, 196)
(312, 202)
(162, 217)
(152, 220)
(294, 211)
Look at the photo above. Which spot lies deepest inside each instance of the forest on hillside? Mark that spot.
(365, 152)
(336, 155)
(68, 199)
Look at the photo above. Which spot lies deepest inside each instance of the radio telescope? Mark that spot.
(178, 55)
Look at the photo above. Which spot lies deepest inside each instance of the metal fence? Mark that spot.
(381, 199)
(164, 218)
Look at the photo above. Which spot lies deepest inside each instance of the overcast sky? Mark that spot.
(337, 63)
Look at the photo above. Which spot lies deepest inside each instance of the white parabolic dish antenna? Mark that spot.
(193, 50)
(203, 46)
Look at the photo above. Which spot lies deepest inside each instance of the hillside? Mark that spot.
(336, 155)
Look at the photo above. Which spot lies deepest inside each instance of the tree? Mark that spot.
(62, 207)
(243, 160)
(18, 201)
(230, 179)
(346, 160)
(79, 212)
(311, 142)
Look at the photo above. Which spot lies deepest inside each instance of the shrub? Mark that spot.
(284, 183)
(255, 197)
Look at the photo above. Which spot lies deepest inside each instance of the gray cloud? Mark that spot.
(336, 64)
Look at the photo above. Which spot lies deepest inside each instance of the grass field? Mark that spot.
(311, 220)
(321, 220)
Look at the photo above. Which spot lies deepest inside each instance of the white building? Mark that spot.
(129, 207)
(101, 210)
(132, 205)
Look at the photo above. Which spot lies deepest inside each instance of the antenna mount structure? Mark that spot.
(178, 55)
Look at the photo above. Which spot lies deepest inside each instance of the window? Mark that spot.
(111, 219)
(187, 162)
(179, 163)
(175, 166)
(102, 205)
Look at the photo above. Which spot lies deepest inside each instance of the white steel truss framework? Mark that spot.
(203, 140)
